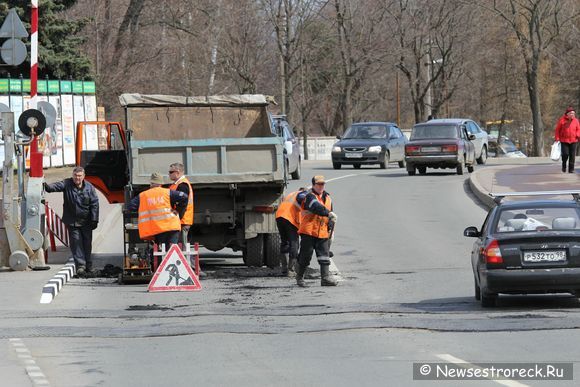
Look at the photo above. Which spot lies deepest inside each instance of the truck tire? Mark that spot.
(254, 251)
(272, 250)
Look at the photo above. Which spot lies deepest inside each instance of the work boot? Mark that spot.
(326, 279)
(81, 271)
(291, 267)
(300, 276)
(284, 264)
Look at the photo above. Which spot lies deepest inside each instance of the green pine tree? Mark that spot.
(59, 53)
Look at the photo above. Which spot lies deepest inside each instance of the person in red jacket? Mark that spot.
(568, 133)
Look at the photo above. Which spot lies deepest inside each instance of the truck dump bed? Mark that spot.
(219, 139)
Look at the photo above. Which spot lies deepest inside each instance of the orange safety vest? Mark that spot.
(312, 224)
(289, 209)
(155, 213)
(187, 218)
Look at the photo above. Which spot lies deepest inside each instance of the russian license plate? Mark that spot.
(545, 256)
(353, 155)
(427, 149)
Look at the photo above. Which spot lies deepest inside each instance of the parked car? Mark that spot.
(370, 143)
(505, 149)
(291, 145)
(440, 144)
(527, 247)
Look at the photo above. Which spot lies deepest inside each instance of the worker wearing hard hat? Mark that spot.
(160, 210)
(316, 222)
(288, 221)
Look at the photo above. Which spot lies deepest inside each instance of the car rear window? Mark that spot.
(538, 219)
(434, 131)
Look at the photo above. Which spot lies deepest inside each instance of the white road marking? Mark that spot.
(32, 369)
(455, 360)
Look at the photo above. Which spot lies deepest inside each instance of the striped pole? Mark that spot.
(35, 155)
(33, 54)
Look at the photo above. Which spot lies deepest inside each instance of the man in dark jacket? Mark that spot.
(81, 215)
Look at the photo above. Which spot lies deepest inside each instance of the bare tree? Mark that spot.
(536, 23)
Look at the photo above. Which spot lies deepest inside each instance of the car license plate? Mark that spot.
(427, 149)
(353, 155)
(545, 256)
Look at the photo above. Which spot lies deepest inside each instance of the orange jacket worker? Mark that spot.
(157, 218)
(315, 217)
(288, 221)
(182, 184)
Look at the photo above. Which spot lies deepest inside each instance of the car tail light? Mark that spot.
(410, 149)
(449, 148)
(264, 209)
(492, 252)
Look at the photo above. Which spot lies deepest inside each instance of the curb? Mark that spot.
(480, 192)
(53, 286)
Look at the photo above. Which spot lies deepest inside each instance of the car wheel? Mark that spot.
(477, 290)
(385, 163)
(488, 300)
(470, 168)
(460, 167)
(286, 171)
(483, 157)
(297, 172)
(402, 164)
(411, 170)
(422, 170)
(336, 165)
(356, 166)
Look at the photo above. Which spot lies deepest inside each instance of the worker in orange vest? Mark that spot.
(160, 210)
(315, 217)
(180, 183)
(288, 221)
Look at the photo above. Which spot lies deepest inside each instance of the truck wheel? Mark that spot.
(254, 251)
(272, 250)
(296, 173)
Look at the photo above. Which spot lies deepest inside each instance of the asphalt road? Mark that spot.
(406, 296)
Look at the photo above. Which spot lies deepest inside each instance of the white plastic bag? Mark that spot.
(556, 151)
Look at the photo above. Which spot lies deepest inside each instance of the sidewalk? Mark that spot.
(520, 175)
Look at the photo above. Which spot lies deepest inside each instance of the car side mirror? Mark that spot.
(471, 136)
(471, 232)
(339, 137)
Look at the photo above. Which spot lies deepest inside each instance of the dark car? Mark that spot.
(370, 143)
(530, 246)
(440, 144)
(291, 145)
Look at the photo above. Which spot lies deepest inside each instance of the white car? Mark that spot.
(480, 142)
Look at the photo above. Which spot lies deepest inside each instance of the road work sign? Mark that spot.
(174, 274)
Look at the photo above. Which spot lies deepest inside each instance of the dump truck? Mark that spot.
(232, 157)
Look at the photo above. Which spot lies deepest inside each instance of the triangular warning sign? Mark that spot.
(12, 26)
(174, 274)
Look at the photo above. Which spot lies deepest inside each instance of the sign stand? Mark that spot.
(174, 274)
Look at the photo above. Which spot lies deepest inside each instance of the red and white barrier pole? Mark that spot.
(35, 155)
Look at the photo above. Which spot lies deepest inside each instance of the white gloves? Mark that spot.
(332, 217)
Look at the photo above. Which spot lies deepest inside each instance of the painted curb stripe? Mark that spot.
(55, 284)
